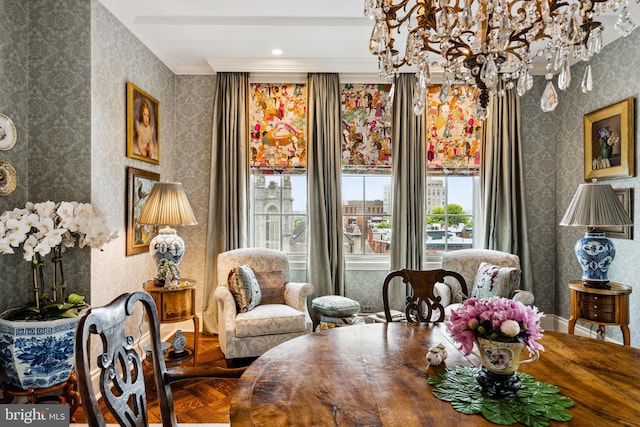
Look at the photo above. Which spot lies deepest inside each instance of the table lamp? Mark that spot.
(167, 205)
(595, 205)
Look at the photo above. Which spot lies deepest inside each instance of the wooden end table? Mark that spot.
(177, 304)
(604, 307)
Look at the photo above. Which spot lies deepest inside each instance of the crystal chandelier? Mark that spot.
(480, 42)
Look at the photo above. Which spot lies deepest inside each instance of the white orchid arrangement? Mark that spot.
(52, 228)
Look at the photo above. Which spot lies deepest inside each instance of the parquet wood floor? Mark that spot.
(195, 401)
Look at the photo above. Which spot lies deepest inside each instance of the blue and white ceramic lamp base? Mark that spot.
(595, 252)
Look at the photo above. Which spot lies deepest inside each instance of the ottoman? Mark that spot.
(335, 311)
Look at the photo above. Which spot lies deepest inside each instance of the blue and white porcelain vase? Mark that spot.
(595, 252)
(37, 354)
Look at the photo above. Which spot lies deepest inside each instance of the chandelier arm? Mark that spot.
(393, 12)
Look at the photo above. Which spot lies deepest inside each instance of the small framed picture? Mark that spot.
(139, 183)
(608, 142)
(625, 195)
(143, 125)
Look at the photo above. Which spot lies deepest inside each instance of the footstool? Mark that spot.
(335, 311)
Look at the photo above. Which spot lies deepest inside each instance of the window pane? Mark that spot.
(279, 204)
(450, 210)
(366, 213)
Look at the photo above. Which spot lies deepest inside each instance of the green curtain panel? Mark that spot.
(503, 189)
(229, 187)
(408, 185)
(325, 252)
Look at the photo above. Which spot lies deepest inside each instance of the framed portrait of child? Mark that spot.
(143, 125)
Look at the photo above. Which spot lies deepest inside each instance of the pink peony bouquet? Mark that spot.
(496, 319)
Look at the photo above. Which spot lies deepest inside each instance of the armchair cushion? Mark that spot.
(271, 286)
(492, 280)
(270, 319)
(244, 288)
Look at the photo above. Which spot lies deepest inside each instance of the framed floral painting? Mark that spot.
(608, 142)
(139, 183)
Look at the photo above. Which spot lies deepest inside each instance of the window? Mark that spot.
(278, 204)
(366, 168)
(453, 154)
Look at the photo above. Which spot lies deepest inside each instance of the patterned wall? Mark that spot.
(46, 92)
(14, 87)
(538, 145)
(614, 71)
(117, 57)
(194, 98)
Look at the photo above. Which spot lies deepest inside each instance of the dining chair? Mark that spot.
(121, 381)
(423, 303)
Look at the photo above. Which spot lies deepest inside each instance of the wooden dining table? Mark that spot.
(376, 375)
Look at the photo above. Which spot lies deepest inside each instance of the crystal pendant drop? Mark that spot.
(522, 84)
(489, 73)
(587, 81)
(392, 92)
(445, 91)
(504, 33)
(378, 42)
(549, 100)
(481, 112)
(529, 84)
(564, 78)
(560, 59)
(369, 8)
(418, 107)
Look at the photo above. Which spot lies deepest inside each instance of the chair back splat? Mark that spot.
(423, 305)
(122, 383)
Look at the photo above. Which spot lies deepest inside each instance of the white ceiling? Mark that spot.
(207, 36)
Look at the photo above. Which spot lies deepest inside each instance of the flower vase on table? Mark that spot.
(500, 328)
(499, 364)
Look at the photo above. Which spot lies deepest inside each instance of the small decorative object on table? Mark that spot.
(437, 355)
(179, 342)
(500, 328)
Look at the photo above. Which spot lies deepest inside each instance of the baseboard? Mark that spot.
(560, 324)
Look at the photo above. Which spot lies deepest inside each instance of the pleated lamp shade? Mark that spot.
(595, 205)
(167, 205)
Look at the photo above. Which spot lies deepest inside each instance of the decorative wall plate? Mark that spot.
(8, 134)
(8, 178)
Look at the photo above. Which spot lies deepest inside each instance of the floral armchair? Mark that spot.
(467, 262)
(273, 321)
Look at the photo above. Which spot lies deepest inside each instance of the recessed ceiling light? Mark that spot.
(276, 52)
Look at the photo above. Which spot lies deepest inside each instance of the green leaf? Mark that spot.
(534, 405)
(75, 299)
(469, 408)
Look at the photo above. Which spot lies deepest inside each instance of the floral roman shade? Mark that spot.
(454, 136)
(277, 127)
(366, 128)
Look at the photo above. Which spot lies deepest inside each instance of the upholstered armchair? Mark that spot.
(281, 314)
(467, 262)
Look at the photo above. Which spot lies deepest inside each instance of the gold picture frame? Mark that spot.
(625, 195)
(143, 125)
(139, 183)
(608, 142)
